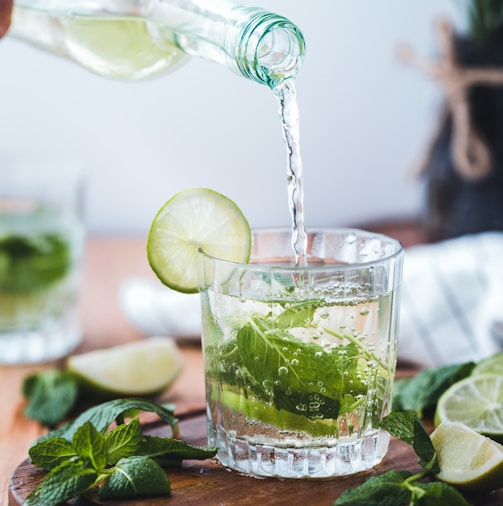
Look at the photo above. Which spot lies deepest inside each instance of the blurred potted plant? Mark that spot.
(463, 170)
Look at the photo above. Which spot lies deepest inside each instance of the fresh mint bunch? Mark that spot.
(122, 462)
(396, 488)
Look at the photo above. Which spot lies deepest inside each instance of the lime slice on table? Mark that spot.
(476, 401)
(489, 365)
(140, 368)
(190, 222)
(467, 460)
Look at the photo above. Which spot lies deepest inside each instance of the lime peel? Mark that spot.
(476, 401)
(139, 368)
(467, 459)
(194, 221)
(490, 365)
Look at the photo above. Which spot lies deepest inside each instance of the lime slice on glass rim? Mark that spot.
(191, 222)
(467, 460)
(476, 401)
(141, 368)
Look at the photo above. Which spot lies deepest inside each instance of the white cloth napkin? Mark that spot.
(154, 309)
(452, 300)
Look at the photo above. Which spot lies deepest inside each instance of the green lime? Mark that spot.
(476, 401)
(140, 368)
(191, 222)
(467, 460)
(490, 365)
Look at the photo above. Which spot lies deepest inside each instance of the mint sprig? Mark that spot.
(123, 462)
(422, 392)
(395, 488)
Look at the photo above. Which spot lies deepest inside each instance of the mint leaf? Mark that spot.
(51, 396)
(406, 426)
(225, 363)
(156, 447)
(52, 452)
(421, 392)
(296, 315)
(29, 263)
(90, 444)
(64, 482)
(135, 476)
(286, 370)
(102, 415)
(384, 490)
(438, 493)
(123, 441)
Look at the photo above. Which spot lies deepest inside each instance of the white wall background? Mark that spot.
(365, 122)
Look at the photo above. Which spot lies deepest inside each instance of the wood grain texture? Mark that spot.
(211, 484)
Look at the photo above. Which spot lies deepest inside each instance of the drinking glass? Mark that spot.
(300, 360)
(41, 253)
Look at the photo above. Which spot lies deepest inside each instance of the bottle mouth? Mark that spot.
(273, 50)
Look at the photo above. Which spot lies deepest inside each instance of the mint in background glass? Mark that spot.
(41, 250)
(300, 361)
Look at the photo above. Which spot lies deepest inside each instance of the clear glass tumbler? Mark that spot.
(300, 361)
(41, 254)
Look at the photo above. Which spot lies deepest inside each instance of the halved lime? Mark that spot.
(476, 401)
(140, 368)
(467, 460)
(191, 222)
(490, 365)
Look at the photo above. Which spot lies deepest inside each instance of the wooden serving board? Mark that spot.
(210, 484)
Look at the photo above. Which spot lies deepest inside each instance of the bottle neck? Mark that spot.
(252, 42)
(271, 49)
(257, 44)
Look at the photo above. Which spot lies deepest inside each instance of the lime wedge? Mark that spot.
(190, 222)
(140, 368)
(490, 365)
(476, 401)
(467, 460)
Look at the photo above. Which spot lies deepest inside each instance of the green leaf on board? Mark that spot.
(123, 441)
(383, 490)
(50, 453)
(102, 415)
(421, 392)
(406, 426)
(51, 395)
(135, 476)
(70, 479)
(438, 493)
(90, 445)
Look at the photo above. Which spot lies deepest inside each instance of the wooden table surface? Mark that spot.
(108, 262)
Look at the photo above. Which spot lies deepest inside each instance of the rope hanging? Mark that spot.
(470, 154)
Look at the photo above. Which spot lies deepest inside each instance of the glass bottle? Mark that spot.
(140, 39)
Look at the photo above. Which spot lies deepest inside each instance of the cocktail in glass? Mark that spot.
(300, 360)
(41, 254)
